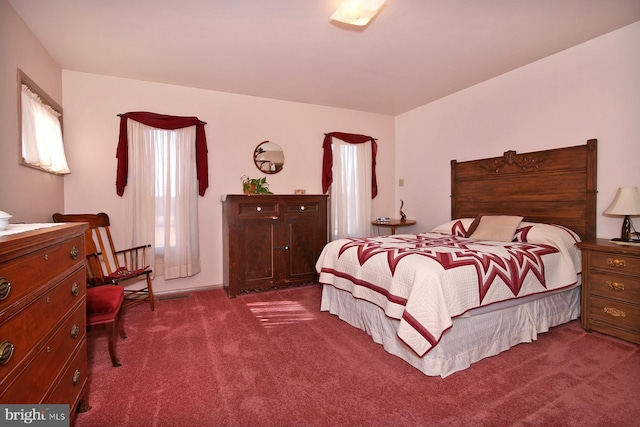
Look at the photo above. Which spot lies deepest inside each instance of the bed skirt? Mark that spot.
(471, 338)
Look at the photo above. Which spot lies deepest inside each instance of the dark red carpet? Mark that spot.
(273, 359)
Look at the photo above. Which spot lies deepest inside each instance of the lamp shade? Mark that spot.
(626, 202)
(357, 12)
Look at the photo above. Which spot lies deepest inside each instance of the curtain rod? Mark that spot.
(328, 134)
(201, 121)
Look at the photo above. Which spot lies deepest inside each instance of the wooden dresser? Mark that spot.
(272, 241)
(611, 289)
(43, 355)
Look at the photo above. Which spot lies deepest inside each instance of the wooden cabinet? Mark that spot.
(611, 289)
(43, 359)
(272, 241)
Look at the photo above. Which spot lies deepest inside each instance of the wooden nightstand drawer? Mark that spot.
(611, 289)
(615, 312)
(619, 263)
(626, 288)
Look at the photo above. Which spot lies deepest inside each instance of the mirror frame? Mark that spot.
(275, 160)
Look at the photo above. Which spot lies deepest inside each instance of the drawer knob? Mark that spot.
(75, 330)
(76, 377)
(615, 286)
(74, 252)
(259, 209)
(301, 208)
(5, 288)
(615, 262)
(614, 312)
(75, 289)
(6, 351)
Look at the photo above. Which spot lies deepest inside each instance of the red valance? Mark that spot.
(162, 121)
(327, 158)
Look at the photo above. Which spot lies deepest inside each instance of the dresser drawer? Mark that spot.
(616, 313)
(23, 275)
(258, 209)
(620, 287)
(304, 207)
(620, 263)
(36, 379)
(30, 326)
(72, 380)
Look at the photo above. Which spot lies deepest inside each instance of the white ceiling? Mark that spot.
(413, 52)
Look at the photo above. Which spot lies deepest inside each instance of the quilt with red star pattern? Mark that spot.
(425, 280)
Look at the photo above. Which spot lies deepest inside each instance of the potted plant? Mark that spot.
(255, 185)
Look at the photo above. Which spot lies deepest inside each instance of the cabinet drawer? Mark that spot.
(72, 381)
(614, 312)
(22, 275)
(619, 263)
(33, 383)
(258, 209)
(303, 207)
(26, 329)
(620, 287)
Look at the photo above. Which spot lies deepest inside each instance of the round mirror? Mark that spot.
(269, 157)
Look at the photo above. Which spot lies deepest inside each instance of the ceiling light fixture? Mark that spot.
(357, 12)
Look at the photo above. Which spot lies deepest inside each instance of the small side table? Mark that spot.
(394, 223)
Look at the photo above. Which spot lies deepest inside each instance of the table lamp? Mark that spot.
(627, 203)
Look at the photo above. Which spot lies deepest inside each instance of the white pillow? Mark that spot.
(456, 227)
(499, 228)
(552, 234)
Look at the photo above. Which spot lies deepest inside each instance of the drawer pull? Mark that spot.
(614, 312)
(615, 286)
(76, 377)
(615, 262)
(6, 351)
(74, 252)
(75, 330)
(75, 289)
(259, 209)
(5, 288)
(302, 208)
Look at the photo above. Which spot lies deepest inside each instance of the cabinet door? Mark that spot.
(304, 237)
(257, 243)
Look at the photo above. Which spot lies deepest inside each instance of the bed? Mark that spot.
(503, 270)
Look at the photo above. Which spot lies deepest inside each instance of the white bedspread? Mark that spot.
(426, 280)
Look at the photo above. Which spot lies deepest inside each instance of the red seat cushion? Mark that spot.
(122, 273)
(103, 303)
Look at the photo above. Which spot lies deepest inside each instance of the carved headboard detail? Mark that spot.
(555, 186)
(523, 161)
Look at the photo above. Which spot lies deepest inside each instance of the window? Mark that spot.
(349, 171)
(40, 129)
(351, 190)
(162, 200)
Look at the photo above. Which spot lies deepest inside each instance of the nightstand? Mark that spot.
(394, 224)
(611, 289)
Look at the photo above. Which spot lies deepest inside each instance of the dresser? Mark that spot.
(611, 289)
(272, 241)
(43, 344)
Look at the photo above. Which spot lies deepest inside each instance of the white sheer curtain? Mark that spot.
(351, 190)
(42, 144)
(162, 199)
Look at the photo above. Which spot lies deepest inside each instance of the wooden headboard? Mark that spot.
(553, 186)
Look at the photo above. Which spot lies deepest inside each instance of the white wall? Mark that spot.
(28, 194)
(236, 125)
(589, 91)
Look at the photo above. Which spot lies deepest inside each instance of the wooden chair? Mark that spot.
(106, 265)
(104, 310)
